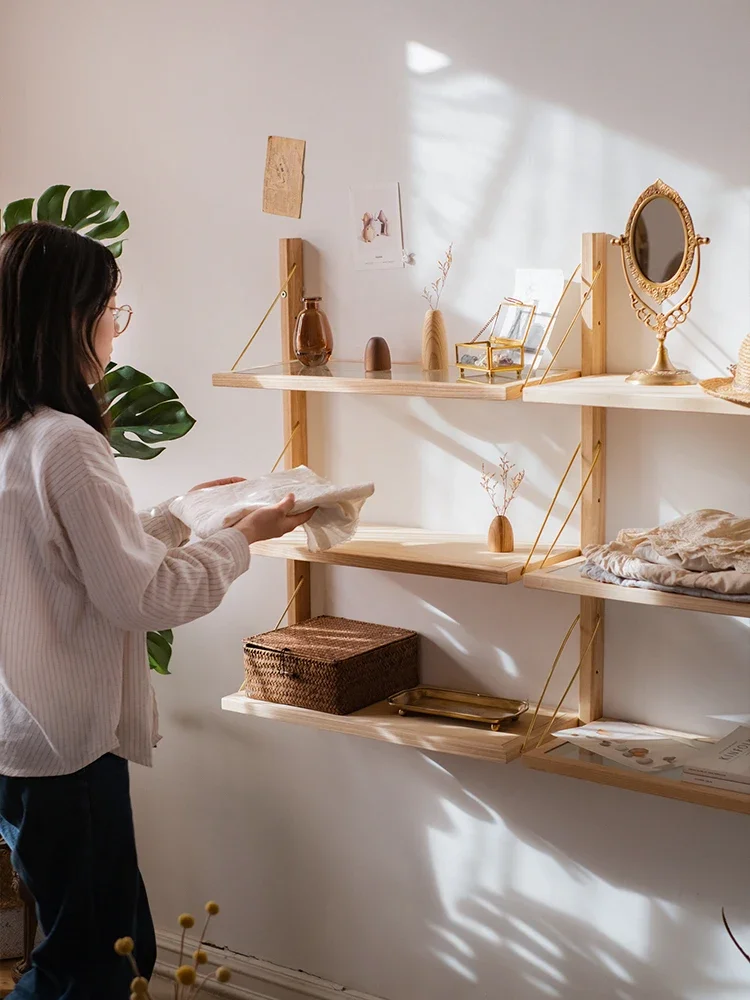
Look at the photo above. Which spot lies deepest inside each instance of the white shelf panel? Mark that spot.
(614, 391)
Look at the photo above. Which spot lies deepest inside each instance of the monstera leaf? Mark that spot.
(142, 413)
(93, 213)
(148, 412)
(159, 646)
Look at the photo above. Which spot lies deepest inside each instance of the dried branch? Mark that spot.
(490, 484)
(436, 288)
(736, 943)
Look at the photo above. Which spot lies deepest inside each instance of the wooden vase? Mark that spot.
(434, 342)
(500, 535)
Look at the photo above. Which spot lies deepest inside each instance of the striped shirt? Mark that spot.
(82, 578)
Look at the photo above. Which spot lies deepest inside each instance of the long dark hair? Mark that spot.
(54, 286)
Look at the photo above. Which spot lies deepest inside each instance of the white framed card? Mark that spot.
(375, 226)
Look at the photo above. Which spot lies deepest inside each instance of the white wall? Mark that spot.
(415, 876)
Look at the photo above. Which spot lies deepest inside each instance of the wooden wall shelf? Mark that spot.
(404, 380)
(613, 391)
(381, 722)
(466, 558)
(565, 578)
(416, 551)
(560, 757)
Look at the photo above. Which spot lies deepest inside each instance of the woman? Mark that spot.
(82, 578)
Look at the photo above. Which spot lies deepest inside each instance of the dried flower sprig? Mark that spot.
(436, 288)
(187, 984)
(490, 484)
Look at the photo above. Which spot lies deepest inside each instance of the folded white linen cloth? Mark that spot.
(334, 522)
(706, 550)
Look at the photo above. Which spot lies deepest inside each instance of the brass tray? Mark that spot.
(495, 712)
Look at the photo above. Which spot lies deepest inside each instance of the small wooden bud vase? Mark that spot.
(500, 536)
(434, 342)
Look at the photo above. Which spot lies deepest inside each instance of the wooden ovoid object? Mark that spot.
(434, 342)
(377, 355)
(500, 536)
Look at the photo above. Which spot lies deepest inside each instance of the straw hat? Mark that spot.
(736, 388)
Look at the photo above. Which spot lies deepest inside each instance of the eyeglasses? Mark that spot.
(122, 316)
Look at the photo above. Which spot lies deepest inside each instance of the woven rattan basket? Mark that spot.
(331, 665)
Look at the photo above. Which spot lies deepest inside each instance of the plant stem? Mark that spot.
(199, 986)
(203, 932)
(736, 943)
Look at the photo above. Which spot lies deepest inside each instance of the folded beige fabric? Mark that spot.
(707, 549)
(701, 541)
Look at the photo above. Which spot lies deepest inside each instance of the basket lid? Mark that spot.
(329, 639)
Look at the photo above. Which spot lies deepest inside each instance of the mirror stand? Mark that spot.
(662, 371)
(660, 248)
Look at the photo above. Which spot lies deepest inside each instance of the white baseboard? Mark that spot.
(252, 978)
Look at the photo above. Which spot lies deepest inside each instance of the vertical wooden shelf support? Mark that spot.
(593, 431)
(295, 413)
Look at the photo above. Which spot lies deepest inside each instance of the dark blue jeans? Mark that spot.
(73, 845)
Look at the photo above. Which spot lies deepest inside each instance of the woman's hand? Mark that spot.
(217, 482)
(272, 522)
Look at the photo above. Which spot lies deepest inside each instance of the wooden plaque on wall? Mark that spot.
(284, 177)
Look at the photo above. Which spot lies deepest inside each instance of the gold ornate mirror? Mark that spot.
(659, 248)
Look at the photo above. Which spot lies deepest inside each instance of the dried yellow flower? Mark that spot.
(139, 987)
(186, 921)
(223, 974)
(201, 958)
(185, 975)
(124, 946)
(212, 909)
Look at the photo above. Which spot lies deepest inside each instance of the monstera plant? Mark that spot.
(143, 414)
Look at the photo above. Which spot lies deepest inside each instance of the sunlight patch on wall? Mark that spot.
(507, 663)
(420, 59)
(533, 935)
(465, 856)
(538, 963)
(612, 964)
(545, 989)
(457, 966)
(455, 940)
(584, 896)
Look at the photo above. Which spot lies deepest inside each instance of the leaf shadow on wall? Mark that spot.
(565, 911)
